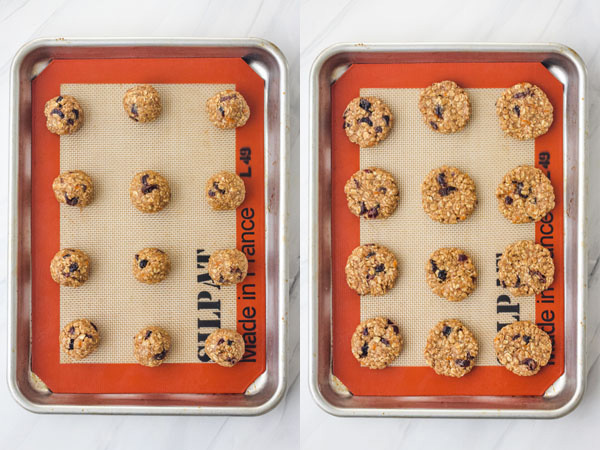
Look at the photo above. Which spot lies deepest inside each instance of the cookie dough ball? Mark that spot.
(149, 191)
(225, 191)
(524, 111)
(151, 345)
(227, 267)
(70, 267)
(63, 115)
(451, 349)
(228, 109)
(367, 121)
(526, 268)
(142, 103)
(79, 338)
(523, 348)
(451, 274)
(151, 265)
(372, 193)
(376, 343)
(525, 195)
(225, 347)
(371, 269)
(448, 195)
(445, 107)
(73, 188)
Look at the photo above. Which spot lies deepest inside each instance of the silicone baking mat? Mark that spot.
(410, 151)
(187, 149)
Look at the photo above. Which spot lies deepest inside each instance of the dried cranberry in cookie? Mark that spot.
(73, 188)
(526, 268)
(151, 346)
(226, 267)
(225, 191)
(79, 338)
(524, 111)
(523, 348)
(228, 109)
(451, 274)
(149, 191)
(63, 114)
(225, 347)
(371, 269)
(451, 349)
(367, 121)
(70, 267)
(372, 193)
(376, 343)
(151, 265)
(445, 107)
(142, 103)
(448, 195)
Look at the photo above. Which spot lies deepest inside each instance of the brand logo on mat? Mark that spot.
(206, 303)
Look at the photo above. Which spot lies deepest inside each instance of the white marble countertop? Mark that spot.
(277, 21)
(568, 22)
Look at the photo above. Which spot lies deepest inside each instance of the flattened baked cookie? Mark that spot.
(225, 191)
(451, 349)
(523, 348)
(367, 121)
(151, 346)
(63, 115)
(524, 111)
(371, 269)
(227, 267)
(448, 195)
(445, 107)
(225, 347)
(372, 193)
(73, 188)
(151, 265)
(79, 338)
(526, 268)
(451, 274)
(228, 109)
(142, 103)
(149, 191)
(70, 267)
(525, 195)
(376, 343)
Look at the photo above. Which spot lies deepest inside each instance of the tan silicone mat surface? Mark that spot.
(187, 149)
(410, 151)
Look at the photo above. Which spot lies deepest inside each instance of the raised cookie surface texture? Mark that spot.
(526, 268)
(225, 191)
(142, 103)
(73, 188)
(226, 267)
(225, 347)
(228, 109)
(79, 338)
(445, 107)
(149, 191)
(525, 195)
(367, 120)
(70, 267)
(376, 343)
(451, 349)
(371, 269)
(448, 195)
(63, 114)
(523, 348)
(151, 346)
(372, 193)
(524, 111)
(151, 265)
(451, 274)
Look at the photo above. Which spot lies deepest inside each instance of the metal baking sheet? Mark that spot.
(331, 395)
(28, 390)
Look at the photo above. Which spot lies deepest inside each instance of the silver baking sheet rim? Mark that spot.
(268, 390)
(328, 392)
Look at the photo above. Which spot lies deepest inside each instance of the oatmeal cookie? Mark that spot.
(225, 191)
(79, 338)
(376, 343)
(151, 346)
(445, 107)
(524, 111)
(525, 195)
(142, 103)
(70, 267)
(227, 267)
(526, 268)
(63, 115)
(228, 109)
(225, 347)
(451, 274)
(372, 193)
(149, 191)
(371, 269)
(151, 265)
(73, 188)
(367, 121)
(523, 348)
(451, 349)
(448, 195)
